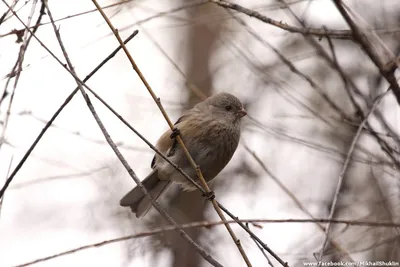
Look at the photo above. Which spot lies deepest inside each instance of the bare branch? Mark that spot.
(338, 34)
(178, 138)
(55, 115)
(343, 171)
(80, 84)
(208, 224)
(295, 199)
(17, 68)
(386, 63)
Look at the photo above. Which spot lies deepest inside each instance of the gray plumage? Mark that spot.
(211, 133)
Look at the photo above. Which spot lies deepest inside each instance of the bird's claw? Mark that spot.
(209, 195)
(175, 133)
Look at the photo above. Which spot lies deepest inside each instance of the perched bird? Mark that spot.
(211, 133)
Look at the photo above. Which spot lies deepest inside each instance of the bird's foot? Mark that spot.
(175, 133)
(209, 195)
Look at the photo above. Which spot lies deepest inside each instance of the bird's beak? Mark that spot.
(242, 113)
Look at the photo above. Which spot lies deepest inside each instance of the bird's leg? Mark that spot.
(209, 195)
(175, 133)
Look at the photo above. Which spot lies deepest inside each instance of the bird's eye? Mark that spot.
(228, 108)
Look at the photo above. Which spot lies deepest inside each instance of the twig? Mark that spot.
(261, 249)
(55, 115)
(207, 224)
(343, 171)
(295, 199)
(347, 81)
(178, 138)
(338, 34)
(160, 14)
(80, 84)
(293, 68)
(387, 69)
(36, 181)
(199, 94)
(17, 68)
(254, 236)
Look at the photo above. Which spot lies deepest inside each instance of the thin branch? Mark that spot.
(55, 115)
(254, 236)
(293, 68)
(387, 69)
(3, 17)
(66, 102)
(142, 21)
(338, 34)
(348, 82)
(178, 137)
(17, 68)
(189, 84)
(261, 249)
(207, 224)
(295, 199)
(8, 172)
(344, 169)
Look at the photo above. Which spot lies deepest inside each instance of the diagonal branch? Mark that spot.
(294, 199)
(17, 68)
(344, 169)
(207, 224)
(387, 69)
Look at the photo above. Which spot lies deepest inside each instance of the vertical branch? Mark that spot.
(17, 68)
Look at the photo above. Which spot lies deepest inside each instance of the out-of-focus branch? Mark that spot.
(319, 32)
(18, 32)
(344, 169)
(55, 115)
(294, 69)
(8, 172)
(178, 138)
(253, 236)
(208, 224)
(80, 84)
(387, 64)
(36, 181)
(387, 149)
(295, 200)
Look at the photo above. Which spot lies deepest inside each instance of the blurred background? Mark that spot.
(307, 97)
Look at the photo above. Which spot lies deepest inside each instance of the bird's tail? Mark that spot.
(137, 201)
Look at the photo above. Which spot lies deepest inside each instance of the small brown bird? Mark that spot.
(211, 133)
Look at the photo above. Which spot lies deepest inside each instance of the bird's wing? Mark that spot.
(166, 144)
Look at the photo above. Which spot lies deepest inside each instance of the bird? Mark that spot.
(210, 132)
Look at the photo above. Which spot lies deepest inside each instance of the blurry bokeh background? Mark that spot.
(301, 124)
